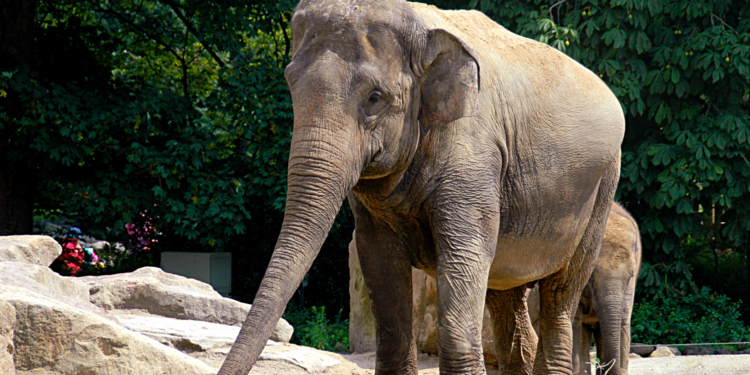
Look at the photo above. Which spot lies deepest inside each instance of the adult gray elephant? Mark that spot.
(486, 159)
(606, 304)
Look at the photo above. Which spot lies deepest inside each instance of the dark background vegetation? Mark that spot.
(179, 108)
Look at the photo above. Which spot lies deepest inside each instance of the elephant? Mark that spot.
(486, 159)
(606, 304)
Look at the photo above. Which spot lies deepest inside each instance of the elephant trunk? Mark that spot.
(609, 310)
(320, 175)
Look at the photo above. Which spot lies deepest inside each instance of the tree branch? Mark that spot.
(286, 39)
(553, 6)
(139, 29)
(193, 31)
(185, 68)
(723, 23)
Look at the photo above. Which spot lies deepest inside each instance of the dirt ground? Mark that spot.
(364, 364)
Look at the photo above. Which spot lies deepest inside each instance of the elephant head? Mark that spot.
(368, 79)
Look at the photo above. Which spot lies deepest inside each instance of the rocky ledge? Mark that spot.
(144, 322)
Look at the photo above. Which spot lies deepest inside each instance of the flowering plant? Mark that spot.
(141, 233)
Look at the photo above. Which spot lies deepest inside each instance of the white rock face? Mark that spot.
(311, 360)
(361, 323)
(43, 280)
(184, 335)
(173, 296)
(52, 337)
(7, 320)
(41, 250)
(663, 351)
(210, 342)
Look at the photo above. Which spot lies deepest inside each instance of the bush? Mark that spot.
(312, 328)
(702, 317)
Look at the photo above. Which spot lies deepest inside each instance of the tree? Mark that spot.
(148, 116)
(17, 181)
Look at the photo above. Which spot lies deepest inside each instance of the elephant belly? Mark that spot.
(545, 247)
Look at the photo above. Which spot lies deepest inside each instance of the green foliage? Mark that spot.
(681, 70)
(179, 108)
(695, 318)
(313, 328)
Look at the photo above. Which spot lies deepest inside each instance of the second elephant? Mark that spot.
(607, 300)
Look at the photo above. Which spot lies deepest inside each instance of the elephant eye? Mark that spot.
(375, 103)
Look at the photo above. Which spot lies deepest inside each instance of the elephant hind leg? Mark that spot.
(559, 293)
(515, 339)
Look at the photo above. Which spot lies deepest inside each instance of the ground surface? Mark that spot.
(364, 364)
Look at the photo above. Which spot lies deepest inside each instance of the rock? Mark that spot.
(7, 349)
(210, 342)
(726, 351)
(634, 356)
(309, 359)
(698, 350)
(52, 229)
(173, 296)
(425, 311)
(643, 350)
(361, 323)
(184, 335)
(41, 250)
(98, 245)
(282, 332)
(207, 342)
(52, 337)
(664, 351)
(44, 281)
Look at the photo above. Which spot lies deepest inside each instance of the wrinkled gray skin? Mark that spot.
(607, 300)
(484, 158)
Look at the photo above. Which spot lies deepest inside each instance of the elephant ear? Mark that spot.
(449, 80)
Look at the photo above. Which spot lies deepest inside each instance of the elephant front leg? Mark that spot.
(388, 276)
(465, 247)
(515, 339)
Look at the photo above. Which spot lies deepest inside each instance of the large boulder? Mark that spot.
(210, 342)
(44, 281)
(7, 320)
(361, 324)
(207, 342)
(173, 296)
(664, 351)
(643, 350)
(52, 337)
(41, 250)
